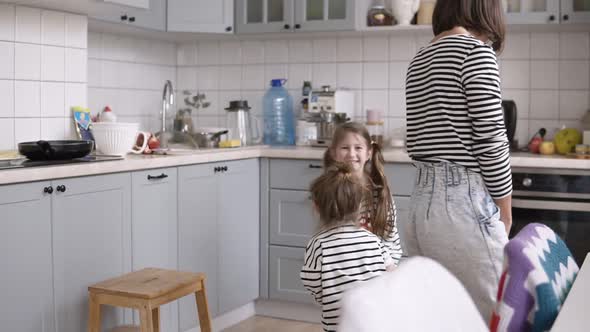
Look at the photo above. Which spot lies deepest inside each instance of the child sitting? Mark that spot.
(342, 254)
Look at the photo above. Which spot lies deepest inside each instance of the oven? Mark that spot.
(559, 199)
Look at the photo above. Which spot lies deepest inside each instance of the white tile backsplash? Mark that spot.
(573, 75)
(6, 60)
(376, 48)
(33, 73)
(545, 45)
(350, 49)
(544, 74)
(28, 25)
(6, 98)
(350, 75)
(298, 73)
(52, 63)
(7, 18)
(544, 104)
(276, 51)
(230, 77)
(252, 52)
(276, 71)
(231, 52)
(52, 99)
(375, 75)
(208, 53)
(53, 25)
(402, 48)
(253, 77)
(76, 31)
(324, 50)
(27, 61)
(27, 99)
(300, 51)
(574, 45)
(7, 134)
(324, 74)
(186, 54)
(573, 105)
(515, 74)
(374, 100)
(518, 46)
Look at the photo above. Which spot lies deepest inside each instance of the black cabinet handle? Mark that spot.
(314, 166)
(216, 169)
(287, 26)
(61, 188)
(224, 168)
(551, 18)
(297, 26)
(124, 17)
(48, 190)
(132, 19)
(566, 17)
(157, 177)
(228, 29)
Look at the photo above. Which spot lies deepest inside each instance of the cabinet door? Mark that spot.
(25, 253)
(153, 17)
(257, 16)
(284, 281)
(324, 15)
(292, 222)
(197, 235)
(238, 237)
(532, 11)
(154, 229)
(575, 11)
(201, 16)
(91, 239)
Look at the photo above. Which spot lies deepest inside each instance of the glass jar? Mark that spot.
(378, 15)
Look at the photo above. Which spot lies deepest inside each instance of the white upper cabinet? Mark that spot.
(258, 16)
(532, 11)
(575, 11)
(143, 4)
(201, 16)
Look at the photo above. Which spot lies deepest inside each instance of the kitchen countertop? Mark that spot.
(143, 162)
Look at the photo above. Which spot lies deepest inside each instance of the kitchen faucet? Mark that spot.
(167, 100)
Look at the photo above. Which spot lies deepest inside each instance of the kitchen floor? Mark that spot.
(268, 324)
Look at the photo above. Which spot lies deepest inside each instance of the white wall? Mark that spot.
(547, 74)
(42, 73)
(128, 74)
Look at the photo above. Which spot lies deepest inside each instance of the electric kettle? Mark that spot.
(240, 124)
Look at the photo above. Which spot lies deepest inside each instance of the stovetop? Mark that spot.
(23, 162)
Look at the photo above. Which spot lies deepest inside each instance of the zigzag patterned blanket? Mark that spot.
(538, 273)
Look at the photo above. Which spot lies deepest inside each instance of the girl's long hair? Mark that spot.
(375, 171)
(337, 195)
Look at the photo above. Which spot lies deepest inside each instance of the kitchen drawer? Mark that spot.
(401, 178)
(292, 222)
(294, 174)
(284, 267)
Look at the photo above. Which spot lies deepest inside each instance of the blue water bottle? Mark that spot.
(279, 122)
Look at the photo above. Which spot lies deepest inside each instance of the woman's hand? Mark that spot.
(505, 205)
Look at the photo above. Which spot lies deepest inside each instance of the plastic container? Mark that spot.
(279, 120)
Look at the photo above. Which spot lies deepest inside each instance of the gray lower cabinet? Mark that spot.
(91, 219)
(154, 227)
(218, 226)
(284, 282)
(26, 281)
(292, 220)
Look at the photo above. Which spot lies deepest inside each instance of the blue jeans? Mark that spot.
(453, 220)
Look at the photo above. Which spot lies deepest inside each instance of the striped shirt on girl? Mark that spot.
(337, 259)
(454, 110)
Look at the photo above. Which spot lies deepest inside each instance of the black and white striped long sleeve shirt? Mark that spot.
(454, 110)
(337, 259)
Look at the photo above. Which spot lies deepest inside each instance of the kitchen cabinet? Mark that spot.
(143, 4)
(218, 227)
(26, 281)
(259, 16)
(91, 228)
(291, 221)
(118, 11)
(201, 16)
(575, 11)
(154, 227)
(532, 11)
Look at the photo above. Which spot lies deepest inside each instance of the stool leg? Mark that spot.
(156, 319)
(93, 313)
(203, 309)
(145, 317)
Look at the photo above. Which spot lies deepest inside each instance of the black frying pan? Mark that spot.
(55, 150)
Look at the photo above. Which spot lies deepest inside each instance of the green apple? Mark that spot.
(566, 139)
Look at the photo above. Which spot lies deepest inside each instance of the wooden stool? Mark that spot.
(146, 290)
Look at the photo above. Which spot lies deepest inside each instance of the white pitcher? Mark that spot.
(404, 10)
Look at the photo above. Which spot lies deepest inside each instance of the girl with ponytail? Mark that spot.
(352, 145)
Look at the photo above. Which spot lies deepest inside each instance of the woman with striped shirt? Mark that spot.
(342, 254)
(460, 211)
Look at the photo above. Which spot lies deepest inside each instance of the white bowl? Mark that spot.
(114, 138)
